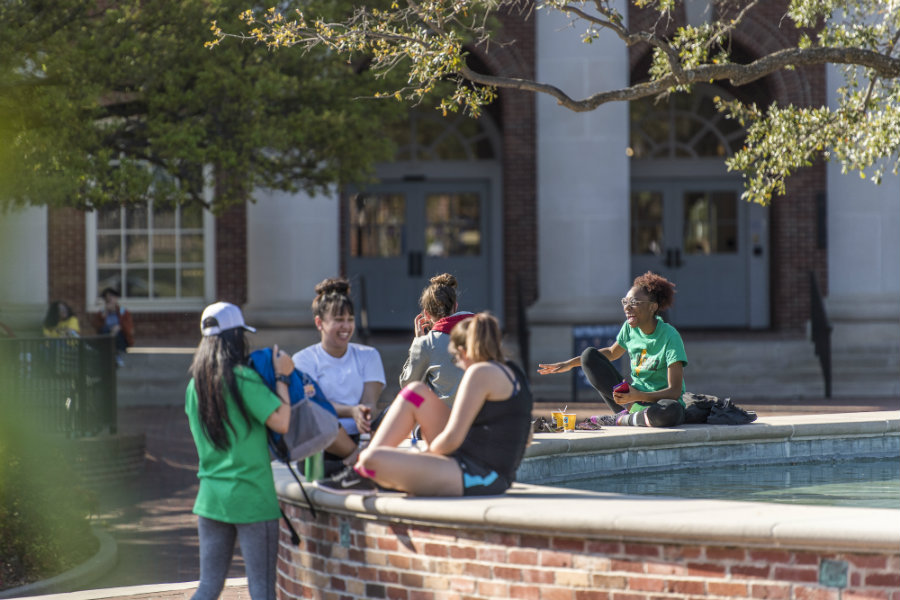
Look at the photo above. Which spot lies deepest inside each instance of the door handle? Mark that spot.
(669, 261)
(414, 264)
(677, 258)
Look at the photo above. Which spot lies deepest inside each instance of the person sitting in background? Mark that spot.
(60, 321)
(656, 350)
(428, 359)
(116, 321)
(472, 448)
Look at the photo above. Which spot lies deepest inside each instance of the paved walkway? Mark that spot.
(151, 520)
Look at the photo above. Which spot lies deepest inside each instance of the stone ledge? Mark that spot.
(547, 510)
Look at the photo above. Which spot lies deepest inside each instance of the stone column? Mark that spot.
(863, 300)
(23, 268)
(583, 191)
(292, 244)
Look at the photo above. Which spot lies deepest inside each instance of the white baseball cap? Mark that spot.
(228, 316)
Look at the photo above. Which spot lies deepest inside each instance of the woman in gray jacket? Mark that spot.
(428, 360)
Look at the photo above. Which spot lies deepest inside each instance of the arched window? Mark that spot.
(430, 136)
(684, 127)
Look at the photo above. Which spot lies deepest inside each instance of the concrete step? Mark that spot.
(740, 369)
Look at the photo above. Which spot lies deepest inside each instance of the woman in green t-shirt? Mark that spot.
(228, 408)
(654, 396)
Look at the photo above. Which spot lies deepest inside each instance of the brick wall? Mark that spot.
(66, 259)
(520, 250)
(347, 557)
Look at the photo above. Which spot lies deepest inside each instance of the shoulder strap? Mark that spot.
(512, 378)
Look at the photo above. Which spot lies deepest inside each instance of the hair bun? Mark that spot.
(444, 279)
(333, 285)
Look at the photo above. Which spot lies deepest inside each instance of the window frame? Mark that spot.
(153, 304)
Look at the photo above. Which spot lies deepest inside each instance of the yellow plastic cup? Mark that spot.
(569, 420)
(557, 417)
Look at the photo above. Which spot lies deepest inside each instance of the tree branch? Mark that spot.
(738, 74)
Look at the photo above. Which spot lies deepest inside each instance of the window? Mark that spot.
(157, 256)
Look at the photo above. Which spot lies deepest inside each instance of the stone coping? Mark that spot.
(542, 509)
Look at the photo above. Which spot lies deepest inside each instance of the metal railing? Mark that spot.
(68, 385)
(820, 330)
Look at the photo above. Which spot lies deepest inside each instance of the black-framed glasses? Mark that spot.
(631, 302)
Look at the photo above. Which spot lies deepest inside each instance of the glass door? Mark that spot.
(693, 233)
(403, 233)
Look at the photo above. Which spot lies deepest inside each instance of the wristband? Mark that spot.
(285, 379)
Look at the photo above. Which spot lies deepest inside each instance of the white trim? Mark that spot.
(151, 305)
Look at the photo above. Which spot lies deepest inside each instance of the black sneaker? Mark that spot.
(347, 481)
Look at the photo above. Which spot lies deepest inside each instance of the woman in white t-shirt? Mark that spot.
(351, 375)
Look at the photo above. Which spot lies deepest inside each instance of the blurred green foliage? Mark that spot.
(44, 511)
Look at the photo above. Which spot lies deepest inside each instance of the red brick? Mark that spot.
(801, 574)
(646, 584)
(705, 570)
(802, 592)
(537, 542)
(591, 595)
(882, 580)
(464, 585)
(396, 593)
(603, 548)
(806, 558)
(770, 556)
(492, 589)
(528, 592)
(721, 554)
(568, 544)
(750, 571)
(463, 552)
(643, 550)
(654, 568)
(388, 576)
(412, 580)
(609, 582)
(508, 574)
(725, 588)
(687, 586)
(868, 561)
(550, 558)
(626, 565)
(386, 543)
(438, 550)
(480, 570)
(869, 595)
(399, 561)
(522, 557)
(538, 576)
(495, 555)
(557, 593)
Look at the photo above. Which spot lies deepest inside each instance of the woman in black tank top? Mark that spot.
(473, 448)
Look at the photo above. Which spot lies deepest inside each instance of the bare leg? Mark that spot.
(343, 445)
(417, 473)
(415, 404)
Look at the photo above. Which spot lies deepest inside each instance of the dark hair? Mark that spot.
(660, 289)
(110, 291)
(51, 319)
(332, 298)
(439, 298)
(213, 373)
(481, 337)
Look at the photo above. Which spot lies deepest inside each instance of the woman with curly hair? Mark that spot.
(654, 396)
